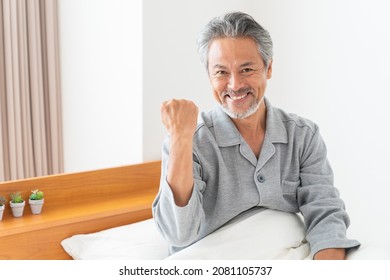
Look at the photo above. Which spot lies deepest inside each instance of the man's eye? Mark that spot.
(247, 70)
(220, 73)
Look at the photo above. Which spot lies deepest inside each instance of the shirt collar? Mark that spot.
(275, 129)
(226, 133)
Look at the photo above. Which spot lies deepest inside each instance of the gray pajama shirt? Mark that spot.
(291, 174)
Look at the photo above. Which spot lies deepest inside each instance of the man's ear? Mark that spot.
(269, 70)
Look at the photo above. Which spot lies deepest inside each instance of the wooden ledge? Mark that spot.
(74, 213)
(76, 203)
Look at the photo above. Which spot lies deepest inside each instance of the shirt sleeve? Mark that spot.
(180, 226)
(319, 201)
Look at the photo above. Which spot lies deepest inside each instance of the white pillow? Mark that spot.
(138, 241)
(256, 234)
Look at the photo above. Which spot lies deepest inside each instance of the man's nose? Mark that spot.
(235, 81)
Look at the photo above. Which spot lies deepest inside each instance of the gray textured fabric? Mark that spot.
(292, 174)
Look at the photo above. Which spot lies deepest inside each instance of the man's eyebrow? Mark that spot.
(249, 63)
(219, 66)
(245, 64)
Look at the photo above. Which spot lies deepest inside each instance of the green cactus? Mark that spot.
(16, 197)
(36, 195)
(3, 201)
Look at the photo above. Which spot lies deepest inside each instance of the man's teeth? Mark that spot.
(238, 97)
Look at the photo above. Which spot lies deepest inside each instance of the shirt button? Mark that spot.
(261, 178)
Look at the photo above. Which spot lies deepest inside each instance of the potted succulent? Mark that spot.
(3, 201)
(36, 201)
(17, 204)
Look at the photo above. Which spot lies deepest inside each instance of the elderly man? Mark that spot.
(245, 153)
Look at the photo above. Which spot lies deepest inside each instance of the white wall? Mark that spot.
(101, 71)
(330, 65)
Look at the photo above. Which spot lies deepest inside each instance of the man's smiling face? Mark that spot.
(237, 75)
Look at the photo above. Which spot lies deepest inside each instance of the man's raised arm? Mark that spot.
(180, 119)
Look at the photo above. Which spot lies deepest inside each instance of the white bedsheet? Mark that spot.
(256, 234)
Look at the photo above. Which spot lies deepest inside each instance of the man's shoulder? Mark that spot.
(205, 120)
(294, 120)
(205, 133)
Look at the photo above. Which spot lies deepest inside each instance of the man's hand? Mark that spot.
(179, 117)
(331, 254)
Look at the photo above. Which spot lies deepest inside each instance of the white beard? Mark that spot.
(242, 115)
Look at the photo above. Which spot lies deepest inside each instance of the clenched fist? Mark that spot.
(179, 117)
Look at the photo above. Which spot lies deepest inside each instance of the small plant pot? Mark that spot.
(2, 207)
(36, 206)
(17, 209)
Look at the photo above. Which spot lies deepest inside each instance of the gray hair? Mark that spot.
(235, 25)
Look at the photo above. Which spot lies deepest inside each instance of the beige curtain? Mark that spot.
(30, 109)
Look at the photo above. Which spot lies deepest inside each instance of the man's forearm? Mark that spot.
(180, 173)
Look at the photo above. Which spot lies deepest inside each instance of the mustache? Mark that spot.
(231, 92)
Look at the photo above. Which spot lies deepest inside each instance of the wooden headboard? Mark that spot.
(76, 203)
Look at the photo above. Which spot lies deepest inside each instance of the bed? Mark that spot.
(106, 214)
